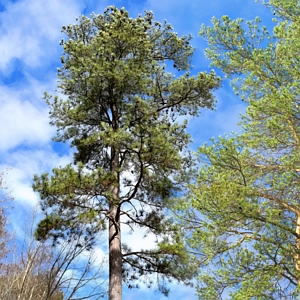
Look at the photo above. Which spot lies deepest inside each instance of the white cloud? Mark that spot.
(22, 120)
(23, 165)
(137, 240)
(99, 254)
(29, 28)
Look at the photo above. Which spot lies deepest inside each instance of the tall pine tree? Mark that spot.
(119, 111)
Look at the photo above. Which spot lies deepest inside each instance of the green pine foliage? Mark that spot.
(119, 111)
(244, 209)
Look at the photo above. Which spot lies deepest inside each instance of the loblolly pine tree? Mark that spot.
(247, 225)
(119, 112)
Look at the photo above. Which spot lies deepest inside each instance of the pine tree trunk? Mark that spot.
(297, 256)
(115, 256)
(115, 253)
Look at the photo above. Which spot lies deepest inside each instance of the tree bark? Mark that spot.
(115, 255)
(297, 256)
(115, 251)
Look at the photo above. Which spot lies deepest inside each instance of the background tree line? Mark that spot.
(41, 271)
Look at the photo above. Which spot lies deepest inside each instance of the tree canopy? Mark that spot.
(119, 110)
(244, 209)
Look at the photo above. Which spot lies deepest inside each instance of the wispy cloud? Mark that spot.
(29, 42)
(24, 118)
(30, 30)
(22, 165)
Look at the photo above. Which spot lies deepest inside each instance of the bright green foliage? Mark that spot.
(119, 112)
(244, 207)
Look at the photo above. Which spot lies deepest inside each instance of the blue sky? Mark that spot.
(30, 31)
